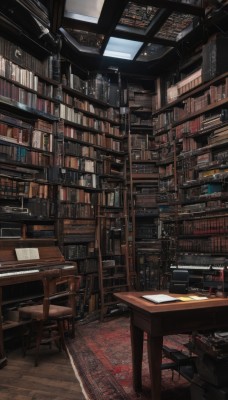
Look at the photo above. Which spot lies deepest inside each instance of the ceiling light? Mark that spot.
(88, 11)
(122, 48)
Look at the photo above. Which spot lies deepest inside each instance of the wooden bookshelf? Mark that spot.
(191, 140)
(142, 176)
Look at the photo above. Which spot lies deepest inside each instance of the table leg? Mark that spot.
(154, 348)
(137, 355)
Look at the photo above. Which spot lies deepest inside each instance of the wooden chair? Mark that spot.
(54, 316)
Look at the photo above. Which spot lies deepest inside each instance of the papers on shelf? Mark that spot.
(159, 298)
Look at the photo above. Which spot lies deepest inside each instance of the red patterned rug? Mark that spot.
(101, 357)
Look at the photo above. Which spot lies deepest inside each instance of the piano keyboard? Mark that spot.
(198, 267)
(12, 273)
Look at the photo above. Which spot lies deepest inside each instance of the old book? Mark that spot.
(159, 298)
(29, 253)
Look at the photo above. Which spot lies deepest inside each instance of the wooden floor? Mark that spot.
(53, 379)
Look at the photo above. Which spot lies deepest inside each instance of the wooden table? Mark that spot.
(158, 320)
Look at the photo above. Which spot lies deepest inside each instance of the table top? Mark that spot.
(185, 302)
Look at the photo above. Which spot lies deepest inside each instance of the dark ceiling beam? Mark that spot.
(158, 21)
(111, 14)
(80, 25)
(173, 6)
(109, 18)
(56, 14)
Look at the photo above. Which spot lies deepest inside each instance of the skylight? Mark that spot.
(88, 11)
(122, 48)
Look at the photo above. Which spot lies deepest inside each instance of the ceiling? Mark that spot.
(164, 31)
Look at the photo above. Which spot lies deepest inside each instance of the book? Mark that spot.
(159, 298)
(27, 254)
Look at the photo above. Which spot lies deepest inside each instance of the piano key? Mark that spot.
(198, 267)
(13, 273)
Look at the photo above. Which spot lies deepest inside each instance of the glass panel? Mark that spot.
(122, 48)
(87, 39)
(153, 51)
(82, 10)
(136, 16)
(175, 24)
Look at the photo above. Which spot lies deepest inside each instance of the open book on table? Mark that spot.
(159, 298)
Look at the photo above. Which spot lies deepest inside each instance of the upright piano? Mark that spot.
(27, 272)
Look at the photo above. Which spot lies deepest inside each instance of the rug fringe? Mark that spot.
(77, 375)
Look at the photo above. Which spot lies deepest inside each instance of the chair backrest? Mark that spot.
(61, 291)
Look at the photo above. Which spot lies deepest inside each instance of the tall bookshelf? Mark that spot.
(61, 159)
(90, 170)
(29, 114)
(142, 173)
(191, 136)
(28, 118)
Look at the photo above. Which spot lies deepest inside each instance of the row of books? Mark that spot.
(97, 86)
(140, 141)
(77, 178)
(110, 113)
(10, 51)
(14, 72)
(21, 154)
(40, 231)
(146, 231)
(42, 140)
(168, 184)
(79, 229)
(37, 139)
(87, 266)
(219, 136)
(165, 170)
(75, 195)
(190, 127)
(163, 121)
(75, 210)
(80, 118)
(80, 164)
(73, 252)
(205, 226)
(144, 155)
(191, 105)
(79, 150)
(212, 245)
(112, 198)
(184, 85)
(146, 200)
(144, 168)
(96, 139)
(26, 97)
(13, 188)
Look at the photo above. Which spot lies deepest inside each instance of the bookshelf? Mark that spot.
(61, 158)
(90, 175)
(191, 139)
(142, 174)
(113, 257)
(27, 125)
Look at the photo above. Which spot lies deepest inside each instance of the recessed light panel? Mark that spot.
(122, 48)
(88, 11)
